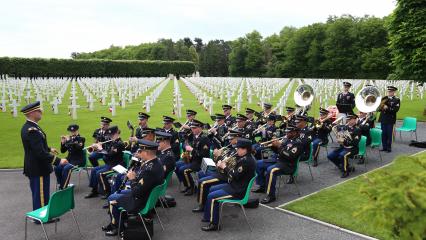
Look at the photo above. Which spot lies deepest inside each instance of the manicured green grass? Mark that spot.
(338, 205)
(55, 125)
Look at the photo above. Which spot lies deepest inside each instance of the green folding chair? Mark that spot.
(60, 203)
(163, 193)
(150, 204)
(376, 140)
(79, 169)
(409, 124)
(241, 203)
(127, 156)
(310, 159)
(362, 150)
(294, 175)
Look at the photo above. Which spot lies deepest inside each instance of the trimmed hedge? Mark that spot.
(40, 67)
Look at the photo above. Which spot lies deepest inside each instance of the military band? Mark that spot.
(262, 143)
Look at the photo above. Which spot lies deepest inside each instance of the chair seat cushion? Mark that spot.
(404, 129)
(39, 214)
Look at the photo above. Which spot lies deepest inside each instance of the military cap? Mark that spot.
(167, 119)
(106, 120)
(351, 116)
(191, 112)
(226, 107)
(300, 118)
(147, 145)
(392, 88)
(271, 117)
(323, 111)
(72, 127)
(31, 107)
(162, 135)
(290, 109)
(347, 84)
(146, 131)
(195, 123)
(249, 110)
(267, 105)
(241, 117)
(112, 130)
(291, 127)
(244, 143)
(142, 115)
(219, 116)
(235, 133)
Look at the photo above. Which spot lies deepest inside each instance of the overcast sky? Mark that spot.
(55, 28)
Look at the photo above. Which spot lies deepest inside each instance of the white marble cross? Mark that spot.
(55, 105)
(90, 102)
(14, 106)
(112, 105)
(3, 104)
(147, 104)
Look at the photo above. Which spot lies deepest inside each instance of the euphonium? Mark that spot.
(230, 162)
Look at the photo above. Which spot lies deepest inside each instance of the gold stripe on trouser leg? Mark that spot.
(270, 179)
(345, 161)
(200, 194)
(68, 179)
(317, 151)
(102, 181)
(41, 192)
(112, 215)
(186, 173)
(212, 205)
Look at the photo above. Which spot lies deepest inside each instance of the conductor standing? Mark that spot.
(39, 157)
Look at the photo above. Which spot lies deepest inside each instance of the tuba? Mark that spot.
(368, 99)
(303, 96)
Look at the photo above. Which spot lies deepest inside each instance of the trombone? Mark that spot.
(95, 146)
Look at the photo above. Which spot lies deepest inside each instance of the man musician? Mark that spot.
(229, 119)
(238, 180)
(142, 125)
(165, 152)
(73, 144)
(99, 135)
(345, 101)
(218, 131)
(348, 137)
(174, 140)
(322, 129)
(387, 119)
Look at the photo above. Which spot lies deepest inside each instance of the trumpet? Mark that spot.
(181, 129)
(95, 146)
(318, 123)
(269, 143)
(227, 134)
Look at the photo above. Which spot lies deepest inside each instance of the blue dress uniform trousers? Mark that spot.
(340, 158)
(211, 209)
(95, 175)
(63, 174)
(272, 172)
(204, 185)
(40, 190)
(261, 167)
(316, 143)
(184, 173)
(387, 133)
(93, 158)
(114, 212)
(179, 164)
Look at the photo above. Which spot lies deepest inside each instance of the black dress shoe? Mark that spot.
(92, 195)
(190, 192)
(268, 199)
(107, 228)
(105, 206)
(315, 164)
(210, 227)
(290, 180)
(185, 190)
(383, 150)
(389, 150)
(198, 209)
(112, 232)
(345, 174)
(259, 190)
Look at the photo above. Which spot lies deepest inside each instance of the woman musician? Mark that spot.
(322, 128)
(74, 144)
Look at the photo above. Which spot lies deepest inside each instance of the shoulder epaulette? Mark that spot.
(32, 129)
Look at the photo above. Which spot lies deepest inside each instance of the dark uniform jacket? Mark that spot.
(365, 126)
(306, 136)
(229, 121)
(74, 146)
(239, 177)
(323, 132)
(168, 159)
(138, 132)
(150, 176)
(37, 160)
(217, 139)
(388, 116)
(268, 134)
(114, 153)
(288, 153)
(174, 141)
(351, 144)
(99, 135)
(201, 149)
(346, 101)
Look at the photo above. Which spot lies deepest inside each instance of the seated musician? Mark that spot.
(209, 179)
(289, 118)
(241, 126)
(266, 132)
(305, 135)
(348, 145)
(251, 123)
(321, 133)
(142, 125)
(289, 151)
(229, 119)
(238, 180)
(151, 174)
(365, 123)
(199, 149)
(185, 138)
(112, 157)
(99, 135)
(74, 145)
(174, 141)
(218, 132)
(165, 154)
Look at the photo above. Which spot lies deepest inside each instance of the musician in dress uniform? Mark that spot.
(229, 119)
(365, 123)
(306, 135)
(142, 125)
(99, 135)
(209, 179)
(348, 145)
(76, 158)
(266, 133)
(345, 101)
(241, 126)
(199, 149)
(387, 117)
(174, 140)
(251, 123)
(135, 199)
(321, 134)
(165, 152)
(218, 132)
(113, 156)
(38, 156)
(238, 180)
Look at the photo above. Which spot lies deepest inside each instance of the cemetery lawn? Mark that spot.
(337, 205)
(12, 153)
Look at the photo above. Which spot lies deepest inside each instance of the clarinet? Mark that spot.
(131, 167)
